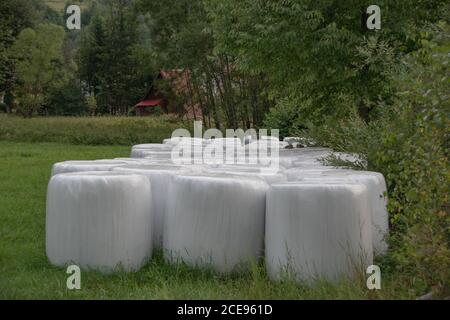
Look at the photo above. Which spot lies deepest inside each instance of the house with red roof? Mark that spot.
(174, 99)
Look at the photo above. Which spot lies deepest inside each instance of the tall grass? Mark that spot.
(89, 130)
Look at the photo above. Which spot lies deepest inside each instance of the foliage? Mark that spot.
(66, 100)
(409, 145)
(111, 62)
(315, 53)
(179, 36)
(14, 16)
(39, 65)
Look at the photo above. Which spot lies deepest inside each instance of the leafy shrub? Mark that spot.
(408, 143)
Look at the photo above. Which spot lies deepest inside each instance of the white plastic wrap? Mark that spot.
(133, 160)
(185, 140)
(268, 144)
(138, 150)
(152, 146)
(159, 177)
(99, 220)
(291, 139)
(348, 157)
(85, 165)
(306, 152)
(146, 153)
(223, 142)
(317, 230)
(151, 160)
(298, 173)
(299, 141)
(269, 177)
(158, 155)
(292, 162)
(376, 186)
(215, 220)
(138, 153)
(244, 167)
(304, 157)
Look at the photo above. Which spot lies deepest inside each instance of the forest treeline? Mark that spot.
(250, 62)
(305, 67)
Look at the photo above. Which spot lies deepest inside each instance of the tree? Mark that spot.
(92, 54)
(180, 36)
(39, 65)
(14, 17)
(112, 65)
(66, 100)
(315, 53)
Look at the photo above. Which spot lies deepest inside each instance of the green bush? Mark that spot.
(408, 143)
(89, 130)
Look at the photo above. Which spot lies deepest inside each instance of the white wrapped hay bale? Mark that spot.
(300, 142)
(349, 157)
(138, 151)
(223, 142)
(307, 152)
(215, 220)
(291, 140)
(376, 186)
(305, 157)
(187, 151)
(270, 176)
(185, 141)
(245, 167)
(99, 220)
(284, 145)
(146, 153)
(133, 160)
(159, 176)
(317, 230)
(267, 143)
(298, 173)
(157, 161)
(169, 141)
(152, 146)
(158, 155)
(296, 161)
(308, 163)
(85, 165)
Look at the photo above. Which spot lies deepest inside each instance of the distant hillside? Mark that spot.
(58, 5)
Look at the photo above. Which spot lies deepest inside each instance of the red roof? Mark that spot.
(151, 102)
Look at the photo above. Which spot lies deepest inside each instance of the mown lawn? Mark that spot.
(25, 272)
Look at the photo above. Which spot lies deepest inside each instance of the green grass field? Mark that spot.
(89, 130)
(25, 272)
